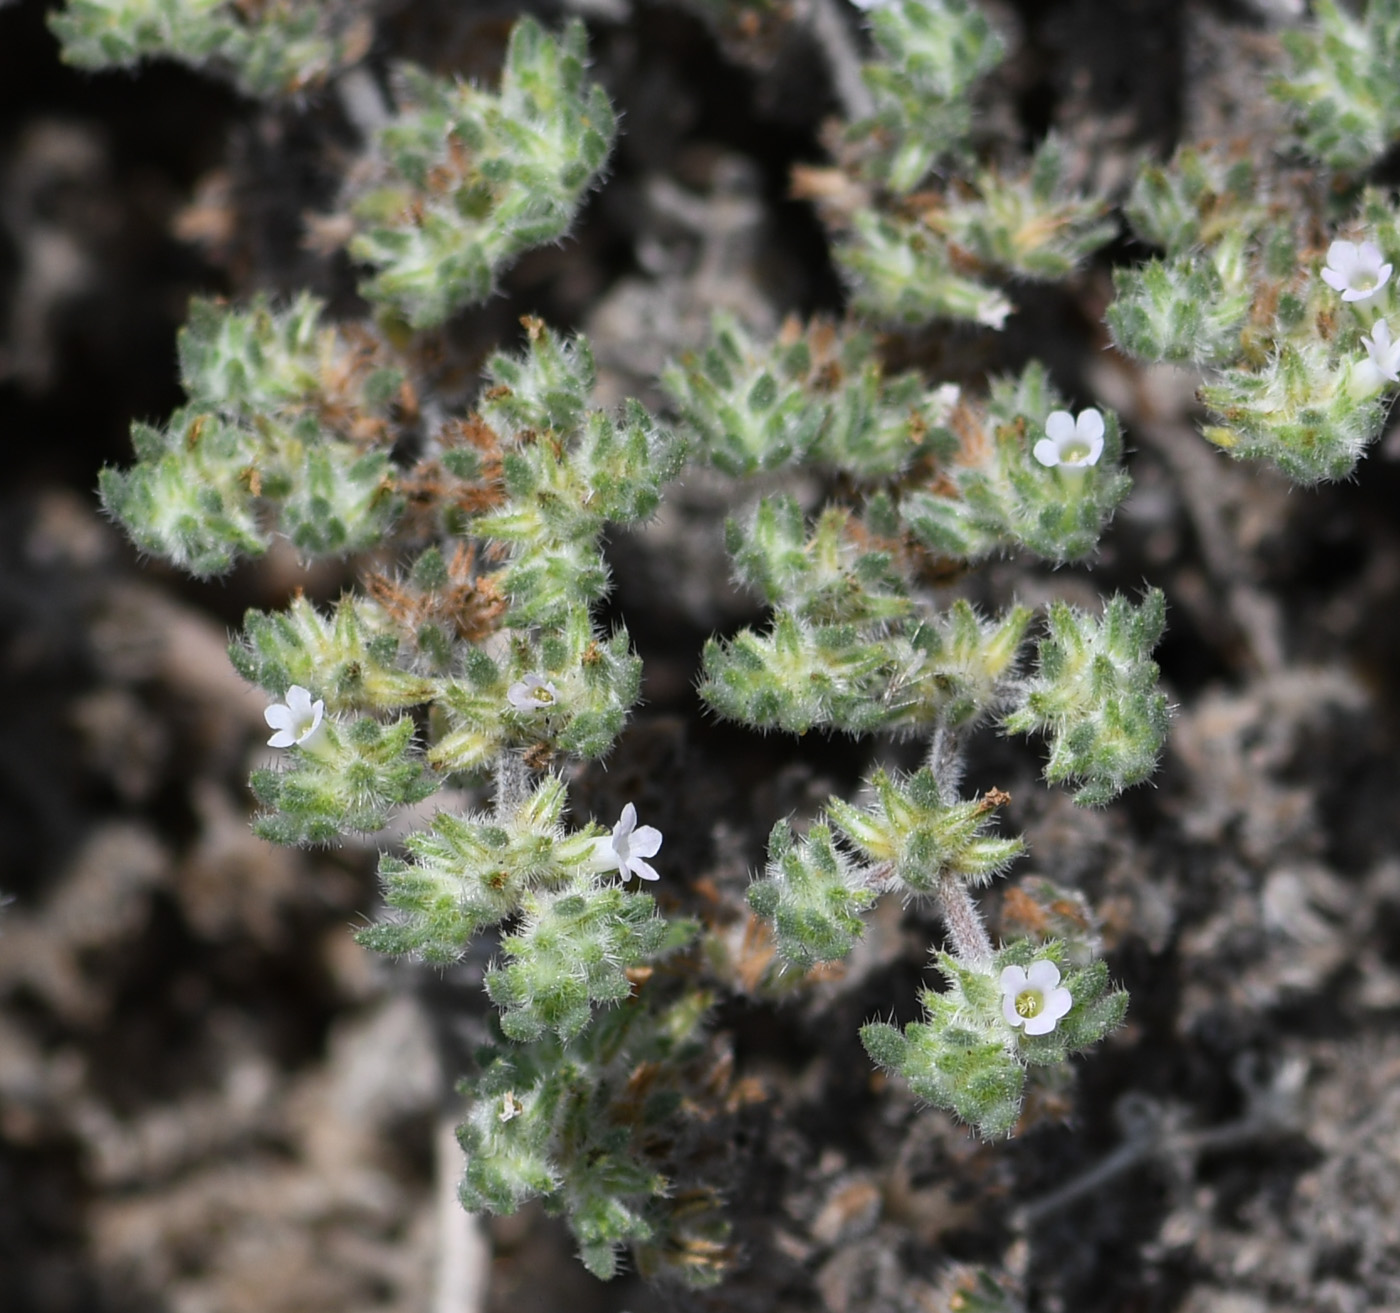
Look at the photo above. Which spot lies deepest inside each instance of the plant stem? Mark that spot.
(945, 760)
(971, 944)
(512, 783)
(970, 941)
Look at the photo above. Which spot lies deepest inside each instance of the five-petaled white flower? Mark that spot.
(1034, 999)
(532, 693)
(1355, 270)
(1384, 354)
(627, 845)
(1072, 444)
(296, 720)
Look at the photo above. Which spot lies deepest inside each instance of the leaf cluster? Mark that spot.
(276, 48)
(965, 1057)
(287, 429)
(463, 180)
(1094, 692)
(576, 1123)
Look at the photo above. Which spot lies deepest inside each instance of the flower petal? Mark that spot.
(1008, 1009)
(1059, 426)
(1343, 257)
(284, 738)
(627, 822)
(643, 870)
(1046, 452)
(605, 855)
(1040, 1024)
(278, 716)
(299, 701)
(1044, 975)
(1012, 980)
(1057, 1003)
(1089, 426)
(318, 711)
(646, 840)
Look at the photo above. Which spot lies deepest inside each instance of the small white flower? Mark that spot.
(1384, 354)
(627, 845)
(1072, 444)
(532, 693)
(296, 720)
(511, 1107)
(1355, 270)
(1034, 999)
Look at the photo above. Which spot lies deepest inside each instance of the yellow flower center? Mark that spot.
(1029, 1003)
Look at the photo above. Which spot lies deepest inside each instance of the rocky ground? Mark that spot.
(212, 1101)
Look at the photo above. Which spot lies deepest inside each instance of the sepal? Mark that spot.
(1032, 225)
(580, 1125)
(275, 49)
(901, 272)
(750, 407)
(596, 682)
(466, 873)
(571, 951)
(917, 839)
(835, 575)
(966, 1057)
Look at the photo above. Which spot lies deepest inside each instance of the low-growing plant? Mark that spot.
(479, 657)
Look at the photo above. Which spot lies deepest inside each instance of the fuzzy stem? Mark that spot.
(512, 783)
(945, 760)
(970, 941)
(971, 944)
